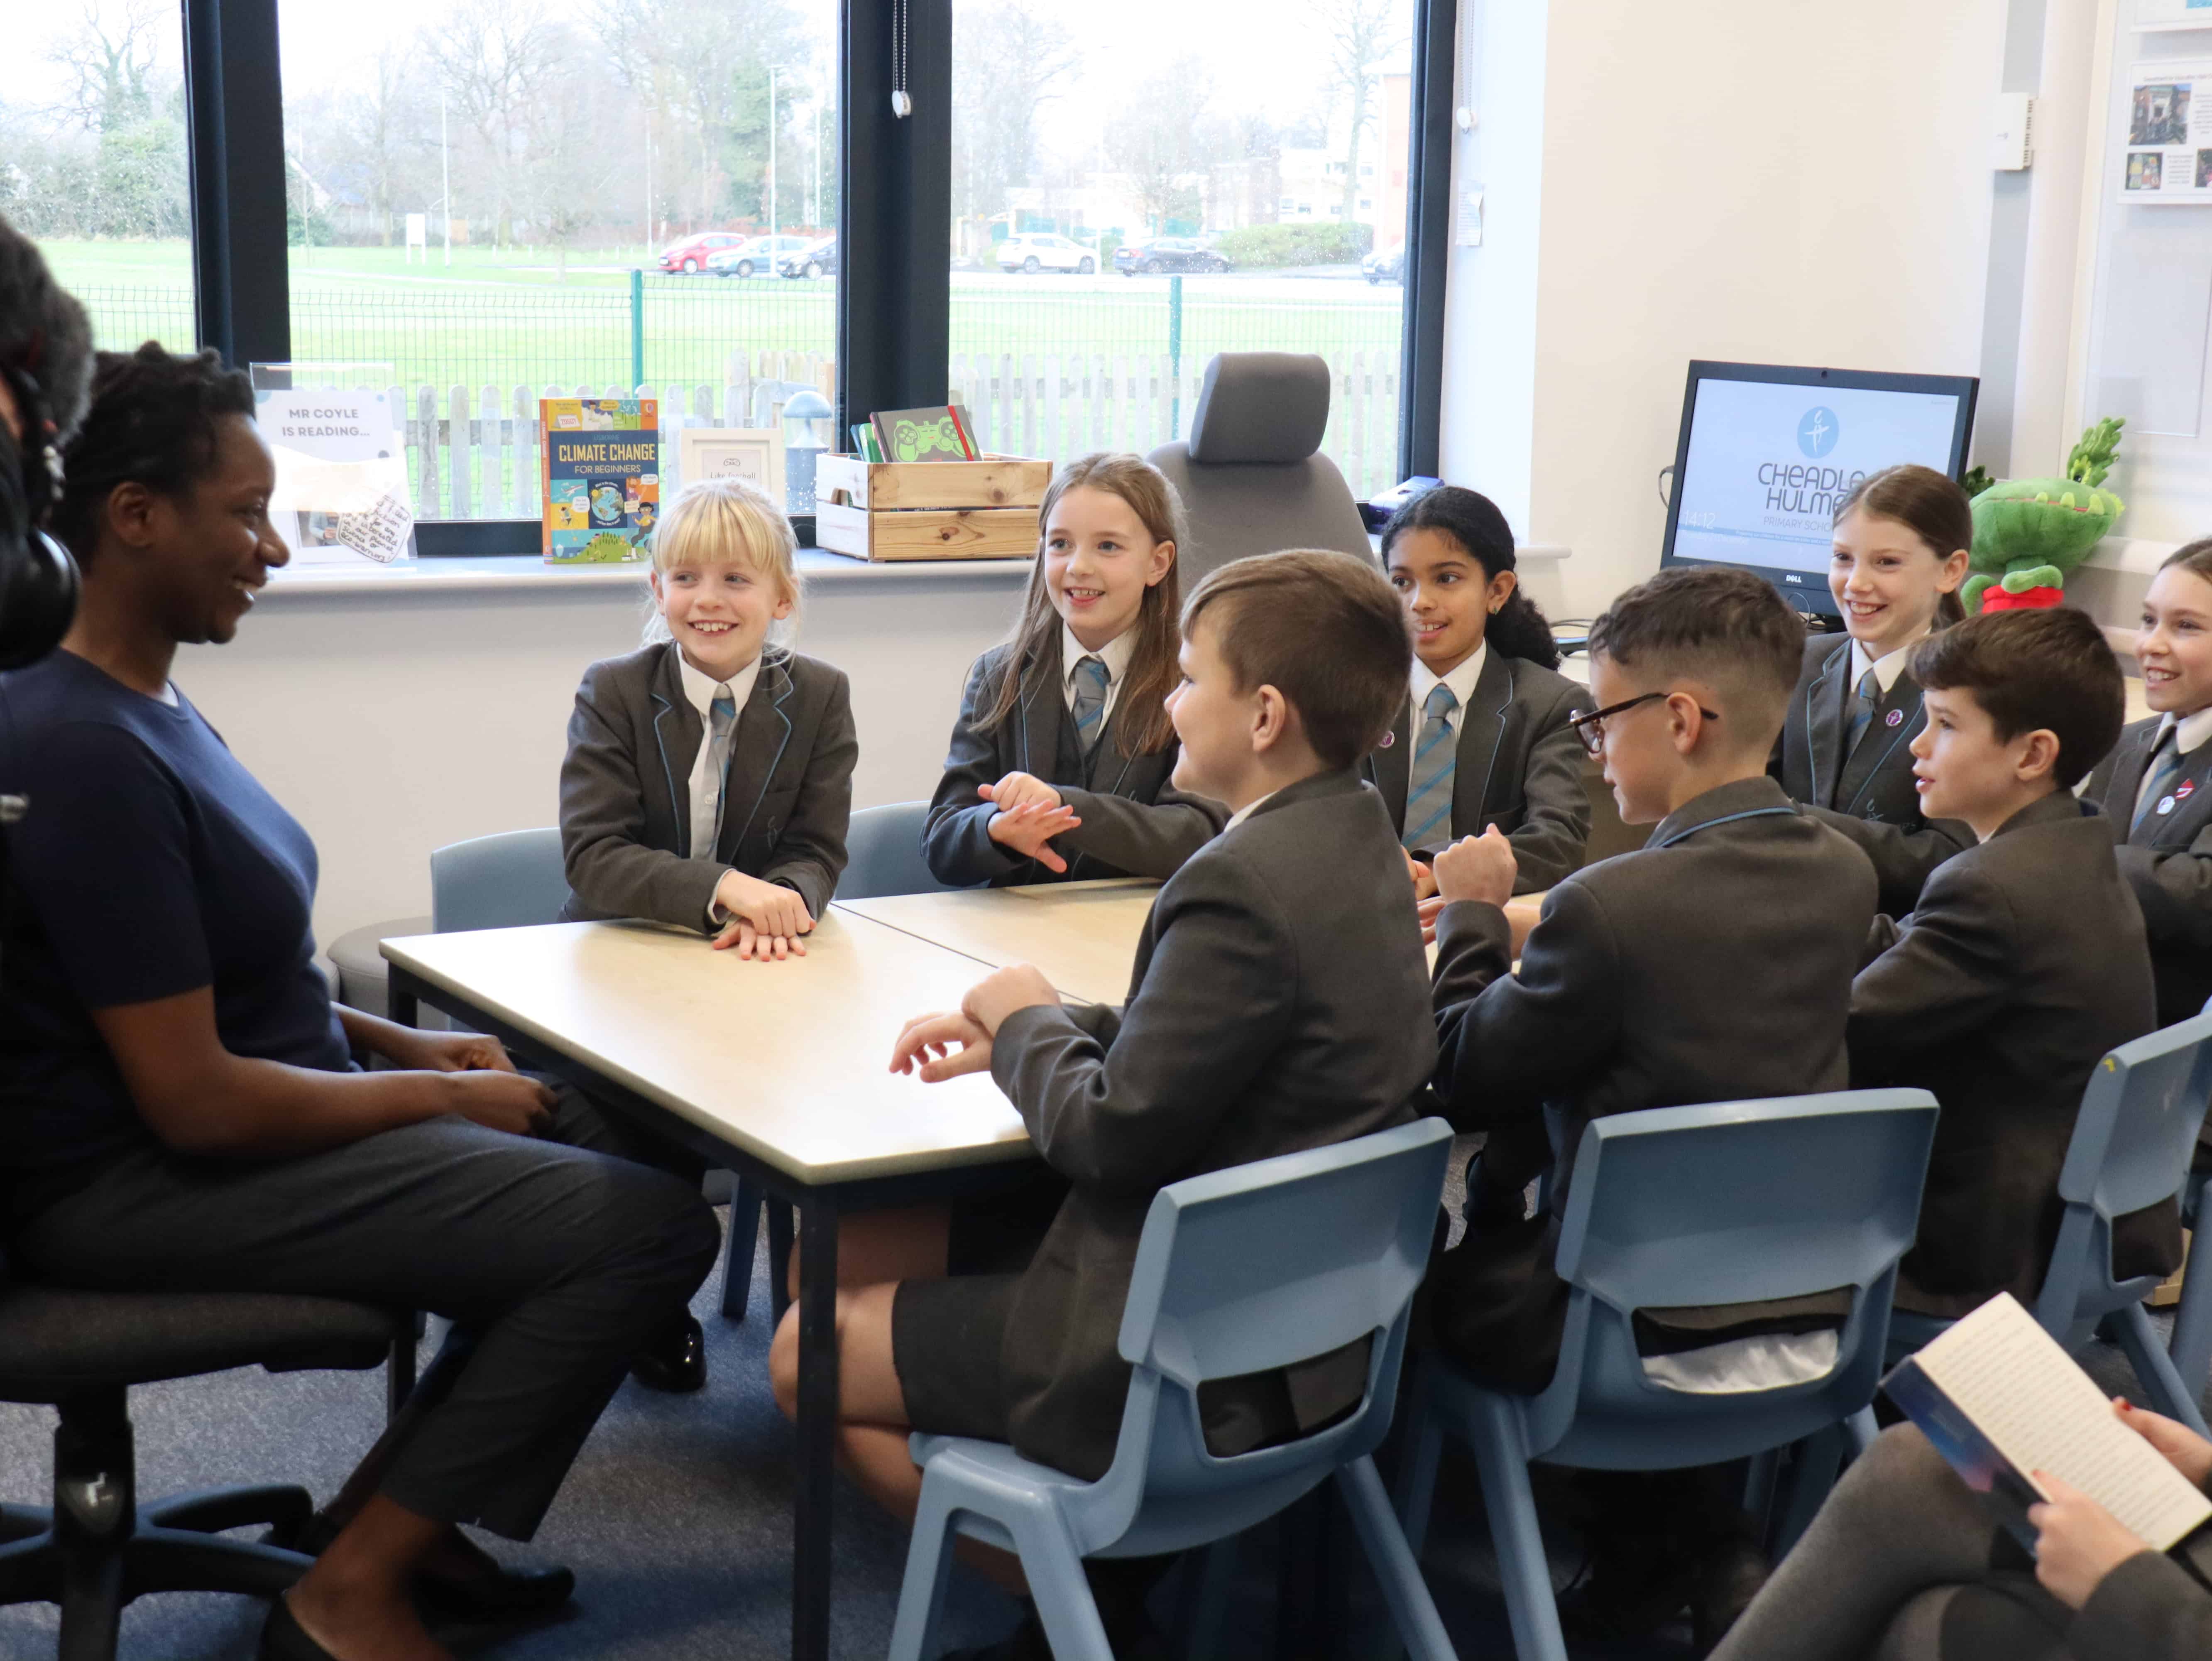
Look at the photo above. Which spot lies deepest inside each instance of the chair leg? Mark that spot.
(1758, 1485)
(1859, 1432)
(184, 1559)
(1062, 1593)
(1820, 1456)
(2161, 1382)
(1423, 1450)
(284, 1507)
(2192, 1321)
(1202, 1603)
(779, 1244)
(1501, 1453)
(921, 1593)
(738, 1247)
(24, 1522)
(1410, 1606)
(95, 1505)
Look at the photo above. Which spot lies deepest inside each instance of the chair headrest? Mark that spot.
(1261, 406)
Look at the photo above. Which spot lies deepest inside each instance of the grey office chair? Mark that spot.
(98, 1547)
(1250, 477)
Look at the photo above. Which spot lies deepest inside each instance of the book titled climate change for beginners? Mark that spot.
(601, 474)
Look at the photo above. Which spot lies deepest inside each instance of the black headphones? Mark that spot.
(38, 578)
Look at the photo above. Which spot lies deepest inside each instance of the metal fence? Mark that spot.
(1108, 365)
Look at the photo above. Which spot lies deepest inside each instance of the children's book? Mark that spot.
(863, 442)
(2001, 1400)
(601, 473)
(941, 432)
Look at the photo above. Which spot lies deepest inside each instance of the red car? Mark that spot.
(689, 256)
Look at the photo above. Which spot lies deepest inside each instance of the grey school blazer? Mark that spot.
(1520, 768)
(1713, 964)
(1135, 824)
(2022, 965)
(626, 794)
(1868, 794)
(1279, 1002)
(2168, 863)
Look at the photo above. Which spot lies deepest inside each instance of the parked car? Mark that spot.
(691, 254)
(755, 253)
(1044, 250)
(1385, 265)
(1167, 253)
(815, 259)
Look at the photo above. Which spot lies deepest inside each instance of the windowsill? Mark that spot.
(526, 574)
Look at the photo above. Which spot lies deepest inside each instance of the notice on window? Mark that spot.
(341, 476)
(2168, 157)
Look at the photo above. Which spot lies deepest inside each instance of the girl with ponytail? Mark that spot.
(1483, 737)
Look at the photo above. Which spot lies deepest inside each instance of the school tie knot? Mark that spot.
(1864, 701)
(722, 713)
(1429, 789)
(1089, 680)
(2159, 777)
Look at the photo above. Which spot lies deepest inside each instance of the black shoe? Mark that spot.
(497, 1594)
(1727, 1582)
(675, 1361)
(283, 1638)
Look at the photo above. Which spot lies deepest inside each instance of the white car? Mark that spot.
(1043, 251)
(755, 254)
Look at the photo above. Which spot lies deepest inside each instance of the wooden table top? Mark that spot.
(1081, 934)
(786, 1060)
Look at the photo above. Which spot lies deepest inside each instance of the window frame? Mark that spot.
(894, 309)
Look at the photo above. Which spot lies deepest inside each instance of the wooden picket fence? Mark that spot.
(474, 454)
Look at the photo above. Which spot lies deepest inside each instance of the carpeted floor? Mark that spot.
(676, 1520)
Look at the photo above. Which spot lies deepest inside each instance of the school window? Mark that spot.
(93, 162)
(487, 204)
(1209, 199)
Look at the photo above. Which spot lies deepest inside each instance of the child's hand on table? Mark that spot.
(766, 918)
(1028, 830)
(1478, 869)
(991, 1000)
(930, 1040)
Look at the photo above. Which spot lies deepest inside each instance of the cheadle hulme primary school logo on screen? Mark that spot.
(1817, 432)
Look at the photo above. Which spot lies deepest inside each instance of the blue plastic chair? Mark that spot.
(1231, 1277)
(1733, 1203)
(883, 854)
(2191, 1349)
(508, 880)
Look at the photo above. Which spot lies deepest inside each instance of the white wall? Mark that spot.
(391, 724)
(1766, 180)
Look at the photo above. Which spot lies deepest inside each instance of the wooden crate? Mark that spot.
(879, 510)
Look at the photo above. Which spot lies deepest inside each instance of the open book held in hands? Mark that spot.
(2000, 1399)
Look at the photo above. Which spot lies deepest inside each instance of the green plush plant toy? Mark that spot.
(2031, 533)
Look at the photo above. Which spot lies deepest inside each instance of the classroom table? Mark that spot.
(1081, 934)
(780, 1070)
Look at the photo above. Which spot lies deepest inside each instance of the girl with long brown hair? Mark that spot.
(1062, 752)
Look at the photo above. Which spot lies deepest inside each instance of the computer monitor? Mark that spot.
(1766, 452)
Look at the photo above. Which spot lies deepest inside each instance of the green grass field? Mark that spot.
(507, 319)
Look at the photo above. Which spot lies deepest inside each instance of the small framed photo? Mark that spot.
(751, 453)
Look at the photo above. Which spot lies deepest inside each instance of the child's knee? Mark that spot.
(783, 1363)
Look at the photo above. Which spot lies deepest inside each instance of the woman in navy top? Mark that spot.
(178, 1109)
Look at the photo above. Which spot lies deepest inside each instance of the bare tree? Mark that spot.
(107, 62)
(1008, 62)
(1160, 137)
(1359, 37)
(494, 59)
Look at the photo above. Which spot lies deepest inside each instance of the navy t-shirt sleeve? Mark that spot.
(104, 858)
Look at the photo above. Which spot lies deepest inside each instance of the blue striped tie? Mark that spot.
(1435, 756)
(1089, 700)
(2165, 768)
(707, 812)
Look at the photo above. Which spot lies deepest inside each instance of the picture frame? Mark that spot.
(753, 452)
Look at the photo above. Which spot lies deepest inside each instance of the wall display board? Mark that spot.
(2168, 155)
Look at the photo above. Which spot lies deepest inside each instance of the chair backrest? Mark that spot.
(1258, 1267)
(2132, 1143)
(883, 854)
(1250, 477)
(508, 880)
(1731, 1202)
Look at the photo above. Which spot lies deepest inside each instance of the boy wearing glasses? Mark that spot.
(1714, 964)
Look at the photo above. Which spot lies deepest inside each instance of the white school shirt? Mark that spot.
(703, 692)
(1244, 814)
(1114, 655)
(1886, 669)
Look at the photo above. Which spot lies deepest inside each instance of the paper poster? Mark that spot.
(2173, 13)
(341, 476)
(2168, 156)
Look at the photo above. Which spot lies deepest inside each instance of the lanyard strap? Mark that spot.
(1748, 813)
